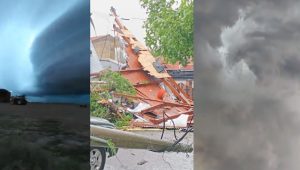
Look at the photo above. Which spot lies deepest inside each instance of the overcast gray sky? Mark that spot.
(248, 82)
(125, 9)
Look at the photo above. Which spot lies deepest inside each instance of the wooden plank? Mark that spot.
(173, 82)
(142, 98)
(175, 92)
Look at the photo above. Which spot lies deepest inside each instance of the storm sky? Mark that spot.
(39, 54)
(248, 86)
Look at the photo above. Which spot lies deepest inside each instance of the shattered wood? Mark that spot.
(140, 69)
(149, 106)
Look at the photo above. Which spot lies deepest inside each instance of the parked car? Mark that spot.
(18, 100)
(98, 154)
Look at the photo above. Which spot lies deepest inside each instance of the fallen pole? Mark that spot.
(122, 139)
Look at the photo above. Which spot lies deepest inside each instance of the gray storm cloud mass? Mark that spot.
(44, 47)
(248, 60)
(60, 53)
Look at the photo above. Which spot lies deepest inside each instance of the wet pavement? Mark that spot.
(135, 159)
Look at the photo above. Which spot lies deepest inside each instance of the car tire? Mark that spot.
(97, 158)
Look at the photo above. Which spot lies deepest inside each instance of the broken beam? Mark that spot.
(142, 98)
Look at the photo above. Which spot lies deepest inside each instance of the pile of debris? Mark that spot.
(158, 100)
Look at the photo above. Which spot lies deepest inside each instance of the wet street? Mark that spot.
(135, 159)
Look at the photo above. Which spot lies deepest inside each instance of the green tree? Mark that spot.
(169, 29)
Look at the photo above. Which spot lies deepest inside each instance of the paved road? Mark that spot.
(134, 159)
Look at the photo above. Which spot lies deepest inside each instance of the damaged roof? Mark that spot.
(148, 82)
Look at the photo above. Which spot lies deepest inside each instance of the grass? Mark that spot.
(22, 151)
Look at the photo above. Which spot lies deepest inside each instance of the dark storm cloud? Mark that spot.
(248, 83)
(19, 24)
(216, 14)
(269, 45)
(60, 53)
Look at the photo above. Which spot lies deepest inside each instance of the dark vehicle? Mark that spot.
(4, 96)
(18, 100)
(98, 154)
(97, 158)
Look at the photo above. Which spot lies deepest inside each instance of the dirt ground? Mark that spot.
(44, 136)
(135, 159)
(71, 115)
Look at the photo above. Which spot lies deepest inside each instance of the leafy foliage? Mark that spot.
(112, 147)
(114, 82)
(97, 109)
(117, 83)
(169, 29)
(125, 121)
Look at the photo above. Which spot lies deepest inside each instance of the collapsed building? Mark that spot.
(183, 75)
(162, 100)
(109, 51)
